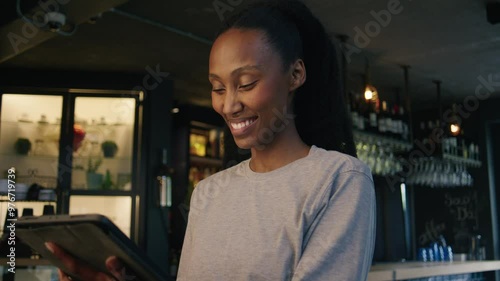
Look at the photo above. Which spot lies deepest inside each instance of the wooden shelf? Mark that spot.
(411, 270)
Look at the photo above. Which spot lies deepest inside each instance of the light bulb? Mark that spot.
(455, 129)
(370, 93)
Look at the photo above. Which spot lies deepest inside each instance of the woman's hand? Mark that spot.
(85, 272)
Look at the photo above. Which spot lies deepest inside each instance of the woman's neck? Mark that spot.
(286, 147)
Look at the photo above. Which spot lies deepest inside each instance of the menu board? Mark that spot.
(452, 213)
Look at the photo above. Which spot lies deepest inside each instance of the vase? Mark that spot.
(94, 181)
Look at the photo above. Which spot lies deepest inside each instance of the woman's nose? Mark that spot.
(232, 104)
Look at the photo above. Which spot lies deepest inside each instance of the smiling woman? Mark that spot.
(302, 207)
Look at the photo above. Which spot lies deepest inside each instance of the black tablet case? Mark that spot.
(90, 238)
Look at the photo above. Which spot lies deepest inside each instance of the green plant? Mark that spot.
(94, 164)
(109, 148)
(22, 146)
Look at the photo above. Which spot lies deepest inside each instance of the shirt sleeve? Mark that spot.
(340, 242)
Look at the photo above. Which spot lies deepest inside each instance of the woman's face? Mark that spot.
(250, 89)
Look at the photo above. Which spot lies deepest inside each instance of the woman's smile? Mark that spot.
(241, 126)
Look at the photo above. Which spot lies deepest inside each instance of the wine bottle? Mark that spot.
(397, 122)
(363, 111)
(354, 111)
(382, 125)
(164, 181)
(405, 131)
(373, 117)
(389, 121)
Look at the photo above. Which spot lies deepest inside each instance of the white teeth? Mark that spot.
(241, 124)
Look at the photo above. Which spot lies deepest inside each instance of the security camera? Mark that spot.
(55, 20)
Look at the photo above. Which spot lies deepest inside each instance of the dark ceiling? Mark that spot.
(447, 40)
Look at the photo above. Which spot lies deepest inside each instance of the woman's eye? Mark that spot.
(219, 90)
(248, 86)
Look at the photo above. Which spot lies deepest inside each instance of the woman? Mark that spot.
(299, 208)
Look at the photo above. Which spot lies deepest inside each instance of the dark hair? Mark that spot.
(294, 32)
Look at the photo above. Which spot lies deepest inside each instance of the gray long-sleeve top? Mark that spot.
(313, 219)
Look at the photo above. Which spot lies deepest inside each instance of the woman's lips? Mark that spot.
(239, 126)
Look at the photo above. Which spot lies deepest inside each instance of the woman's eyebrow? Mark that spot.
(238, 70)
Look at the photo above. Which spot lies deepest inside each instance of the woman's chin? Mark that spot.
(245, 143)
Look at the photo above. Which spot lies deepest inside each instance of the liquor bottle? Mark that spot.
(354, 111)
(389, 121)
(373, 117)
(164, 182)
(208, 148)
(362, 111)
(397, 127)
(382, 125)
(405, 131)
(465, 150)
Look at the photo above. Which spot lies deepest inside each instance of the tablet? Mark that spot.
(91, 238)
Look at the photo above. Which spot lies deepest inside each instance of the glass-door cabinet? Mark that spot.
(73, 152)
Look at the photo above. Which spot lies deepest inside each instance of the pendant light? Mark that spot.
(371, 93)
(454, 127)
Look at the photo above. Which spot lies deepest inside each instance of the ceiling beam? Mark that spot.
(21, 35)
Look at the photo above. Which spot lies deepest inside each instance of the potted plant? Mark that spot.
(22, 146)
(109, 149)
(94, 180)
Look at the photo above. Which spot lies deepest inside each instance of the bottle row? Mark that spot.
(379, 118)
(461, 148)
(207, 143)
(478, 276)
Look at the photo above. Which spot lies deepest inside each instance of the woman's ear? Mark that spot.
(297, 75)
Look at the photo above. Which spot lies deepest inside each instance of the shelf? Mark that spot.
(29, 201)
(460, 160)
(42, 157)
(103, 158)
(400, 144)
(56, 157)
(101, 192)
(411, 270)
(34, 123)
(205, 161)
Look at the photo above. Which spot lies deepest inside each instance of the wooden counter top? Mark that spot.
(410, 270)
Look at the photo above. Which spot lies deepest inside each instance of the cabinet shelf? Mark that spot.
(29, 201)
(101, 192)
(205, 161)
(41, 157)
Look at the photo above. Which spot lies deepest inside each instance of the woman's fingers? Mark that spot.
(63, 276)
(76, 267)
(119, 270)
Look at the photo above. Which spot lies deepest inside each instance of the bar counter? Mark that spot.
(412, 270)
